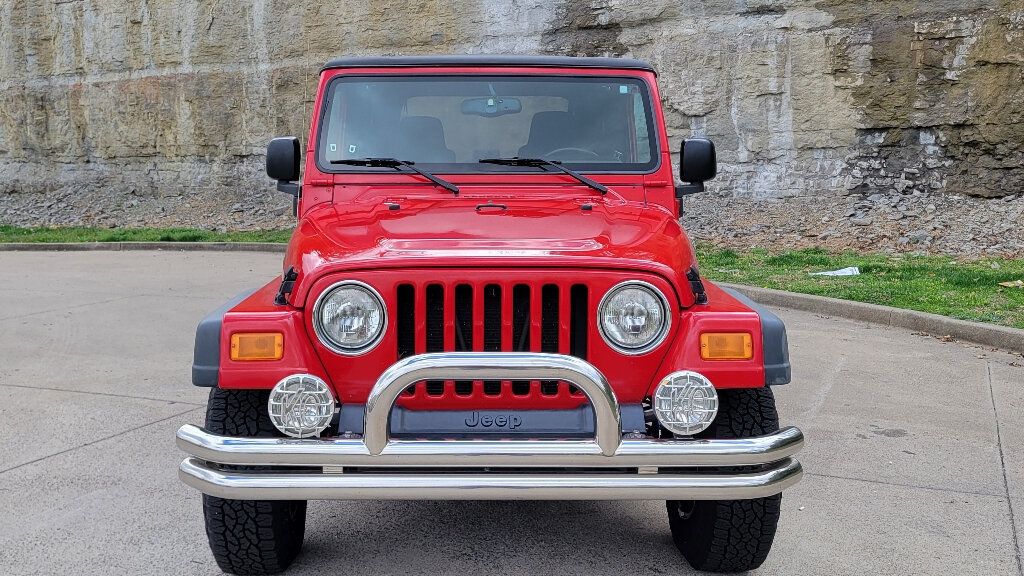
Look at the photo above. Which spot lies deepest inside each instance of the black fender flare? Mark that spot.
(206, 354)
(774, 342)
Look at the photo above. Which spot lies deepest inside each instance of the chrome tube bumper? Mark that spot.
(378, 467)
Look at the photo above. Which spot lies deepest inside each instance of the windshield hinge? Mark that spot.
(697, 286)
(287, 284)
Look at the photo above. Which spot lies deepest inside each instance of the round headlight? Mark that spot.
(301, 405)
(633, 317)
(685, 403)
(349, 317)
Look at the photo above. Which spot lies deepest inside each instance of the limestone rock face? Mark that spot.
(178, 98)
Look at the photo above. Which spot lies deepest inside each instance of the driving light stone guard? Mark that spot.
(327, 459)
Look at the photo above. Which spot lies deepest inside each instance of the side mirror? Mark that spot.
(283, 156)
(697, 160)
(697, 165)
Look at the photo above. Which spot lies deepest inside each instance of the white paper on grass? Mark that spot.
(851, 271)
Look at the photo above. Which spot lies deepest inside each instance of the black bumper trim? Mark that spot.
(509, 423)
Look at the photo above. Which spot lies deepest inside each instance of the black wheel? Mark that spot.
(730, 535)
(250, 536)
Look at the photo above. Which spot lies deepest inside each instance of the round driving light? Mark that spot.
(685, 403)
(633, 317)
(301, 405)
(349, 317)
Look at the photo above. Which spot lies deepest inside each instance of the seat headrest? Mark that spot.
(423, 140)
(548, 131)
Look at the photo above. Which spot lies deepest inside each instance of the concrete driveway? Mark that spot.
(915, 456)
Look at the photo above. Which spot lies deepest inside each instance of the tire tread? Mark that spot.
(732, 535)
(249, 536)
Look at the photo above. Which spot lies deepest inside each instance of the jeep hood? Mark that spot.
(477, 231)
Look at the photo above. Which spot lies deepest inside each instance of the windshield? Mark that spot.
(449, 123)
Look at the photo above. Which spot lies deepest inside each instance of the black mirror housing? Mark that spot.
(697, 165)
(283, 156)
(697, 160)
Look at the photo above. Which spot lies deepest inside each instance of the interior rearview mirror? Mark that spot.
(491, 107)
(283, 156)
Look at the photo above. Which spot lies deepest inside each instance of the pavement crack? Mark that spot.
(111, 394)
(97, 441)
(1002, 466)
(903, 485)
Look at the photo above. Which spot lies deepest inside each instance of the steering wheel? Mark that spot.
(579, 152)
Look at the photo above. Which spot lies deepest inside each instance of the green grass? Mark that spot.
(968, 290)
(84, 234)
(961, 289)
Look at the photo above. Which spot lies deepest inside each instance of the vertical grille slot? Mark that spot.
(578, 326)
(578, 322)
(521, 318)
(549, 319)
(435, 318)
(405, 323)
(463, 331)
(435, 331)
(463, 318)
(549, 331)
(492, 318)
(492, 331)
(521, 331)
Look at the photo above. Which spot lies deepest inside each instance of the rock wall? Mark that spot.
(106, 103)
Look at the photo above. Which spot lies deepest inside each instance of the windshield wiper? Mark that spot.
(542, 163)
(398, 165)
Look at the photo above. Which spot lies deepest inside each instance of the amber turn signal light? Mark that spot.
(726, 346)
(257, 346)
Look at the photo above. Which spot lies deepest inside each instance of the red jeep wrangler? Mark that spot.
(488, 295)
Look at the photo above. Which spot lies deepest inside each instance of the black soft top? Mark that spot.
(485, 60)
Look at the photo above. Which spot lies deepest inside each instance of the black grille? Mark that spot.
(454, 328)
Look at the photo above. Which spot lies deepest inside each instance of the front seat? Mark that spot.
(422, 140)
(549, 131)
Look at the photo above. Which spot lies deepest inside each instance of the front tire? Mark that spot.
(249, 536)
(730, 535)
